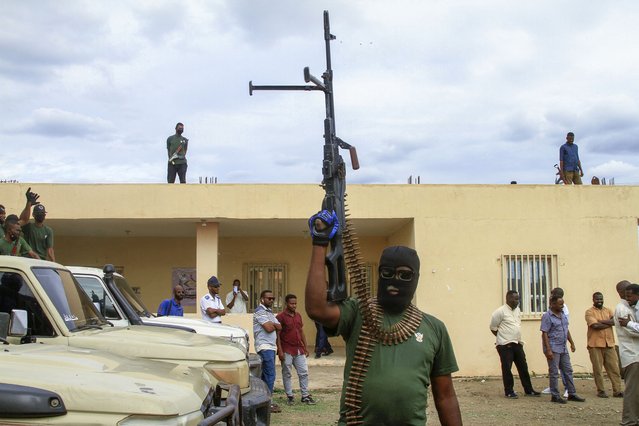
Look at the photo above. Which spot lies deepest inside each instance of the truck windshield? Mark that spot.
(73, 305)
(132, 297)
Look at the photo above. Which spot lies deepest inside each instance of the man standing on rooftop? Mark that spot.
(569, 165)
(176, 146)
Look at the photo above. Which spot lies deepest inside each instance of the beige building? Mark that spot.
(473, 240)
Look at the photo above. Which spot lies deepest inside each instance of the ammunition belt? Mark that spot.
(372, 330)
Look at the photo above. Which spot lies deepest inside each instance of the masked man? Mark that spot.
(38, 235)
(390, 392)
(176, 146)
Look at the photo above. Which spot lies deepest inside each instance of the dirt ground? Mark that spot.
(481, 400)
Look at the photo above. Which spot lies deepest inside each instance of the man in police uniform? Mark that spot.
(211, 305)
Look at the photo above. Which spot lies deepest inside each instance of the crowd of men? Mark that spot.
(557, 344)
(22, 237)
(377, 389)
(280, 335)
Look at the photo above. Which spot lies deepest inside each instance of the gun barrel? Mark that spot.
(307, 88)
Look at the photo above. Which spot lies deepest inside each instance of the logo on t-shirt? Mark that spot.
(419, 337)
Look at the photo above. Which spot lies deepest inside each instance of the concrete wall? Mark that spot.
(460, 232)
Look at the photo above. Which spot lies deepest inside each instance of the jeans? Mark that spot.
(268, 367)
(173, 169)
(322, 344)
(560, 361)
(299, 362)
(514, 352)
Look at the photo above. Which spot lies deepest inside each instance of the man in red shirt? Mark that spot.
(291, 349)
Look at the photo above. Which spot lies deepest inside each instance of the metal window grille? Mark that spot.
(532, 276)
(266, 276)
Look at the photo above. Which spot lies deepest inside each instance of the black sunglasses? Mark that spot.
(387, 273)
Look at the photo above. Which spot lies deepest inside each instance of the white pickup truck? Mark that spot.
(60, 313)
(121, 306)
(63, 385)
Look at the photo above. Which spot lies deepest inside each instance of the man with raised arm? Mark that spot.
(390, 392)
(36, 233)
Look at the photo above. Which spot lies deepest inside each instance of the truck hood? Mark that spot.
(88, 380)
(200, 326)
(228, 333)
(157, 343)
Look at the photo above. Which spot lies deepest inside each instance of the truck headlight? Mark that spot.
(142, 420)
(242, 341)
(235, 373)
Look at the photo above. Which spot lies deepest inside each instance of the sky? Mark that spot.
(455, 92)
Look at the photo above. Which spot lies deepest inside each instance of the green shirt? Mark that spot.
(40, 238)
(395, 390)
(172, 144)
(22, 248)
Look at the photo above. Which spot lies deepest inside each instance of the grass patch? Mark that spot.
(325, 412)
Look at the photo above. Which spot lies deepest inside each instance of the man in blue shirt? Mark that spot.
(173, 307)
(569, 165)
(554, 335)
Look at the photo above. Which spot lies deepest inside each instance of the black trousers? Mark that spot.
(179, 169)
(322, 345)
(514, 352)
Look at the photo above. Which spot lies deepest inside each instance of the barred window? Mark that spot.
(266, 276)
(532, 276)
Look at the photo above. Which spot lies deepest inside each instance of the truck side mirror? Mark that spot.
(19, 323)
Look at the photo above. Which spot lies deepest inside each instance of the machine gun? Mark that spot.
(333, 168)
(176, 154)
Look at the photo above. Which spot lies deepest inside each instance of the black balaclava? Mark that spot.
(394, 257)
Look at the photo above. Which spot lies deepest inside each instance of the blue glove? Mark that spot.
(323, 226)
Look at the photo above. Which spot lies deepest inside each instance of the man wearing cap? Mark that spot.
(12, 244)
(37, 234)
(394, 351)
(211, 305)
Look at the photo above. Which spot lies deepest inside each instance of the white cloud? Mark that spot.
(55, 123)
(456, 92)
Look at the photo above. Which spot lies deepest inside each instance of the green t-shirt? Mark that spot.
(395, 390)
(40, 238)
(22, 248)
(172, 144)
